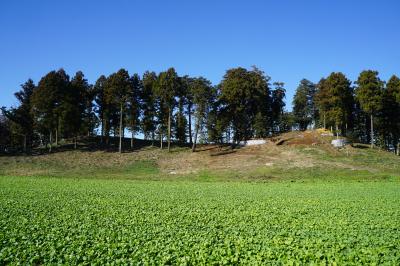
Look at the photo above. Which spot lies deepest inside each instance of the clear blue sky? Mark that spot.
(289, 40)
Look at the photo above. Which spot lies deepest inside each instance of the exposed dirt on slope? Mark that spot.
(303, 150)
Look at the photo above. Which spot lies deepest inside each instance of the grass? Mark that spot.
(81, 221)
(270, 163)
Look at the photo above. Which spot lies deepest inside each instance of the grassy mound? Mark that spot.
(299, 155)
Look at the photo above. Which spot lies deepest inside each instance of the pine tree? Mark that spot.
(391, 112)
(369, 94)
(244, 93)
(201, 90)
(117, 95)
(277, 106)
(47, 103)
(304, 104)
(134, 105)
(101, 106)
(166, 91)
(21, 118)
(148, 101)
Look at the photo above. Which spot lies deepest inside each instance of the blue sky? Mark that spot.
(289, 40)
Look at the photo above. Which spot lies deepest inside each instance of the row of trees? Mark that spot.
(159, 106)
(184, 110)
(357, 111)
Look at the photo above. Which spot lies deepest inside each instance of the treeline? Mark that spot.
(165, 107)
(367, 112)
(161, 107)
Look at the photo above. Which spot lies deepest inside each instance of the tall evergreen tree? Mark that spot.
(181, 123)
(117, 93)
(21, 116)
(47, 102)
(244, 94)
(134, 105)
(168, 83)
(101, 105)
(369, 93)
(148, 101)
(187, 82)
(391, 112)
(340, 99)
(5, 134)
(304, 104)
(201, 90)
(75, 106)
(277, 106)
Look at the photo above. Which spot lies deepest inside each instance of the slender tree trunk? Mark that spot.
(169, 130)
(120, 130)
(75, 141)
(107, 132)
(398, 149)
(161, 139)
(337, 132)
(324, 121)
(190, 123)
(133, 134)
(57, 136)
(195, 135)
(102, 130)
(25, 143)
(372, 131)
(51, 140)
(152, 138)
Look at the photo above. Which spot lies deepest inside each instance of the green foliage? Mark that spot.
(69, 221)
(244, 93)
(134, 106)
(47, 100)
(21, 120)
(149, 104)
(393, 88)
(335, 100)
(277, 107)
(303, 104)
(101, 103)
(241, 107)
(369, 91)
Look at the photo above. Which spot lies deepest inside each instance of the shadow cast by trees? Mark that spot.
(93, 144)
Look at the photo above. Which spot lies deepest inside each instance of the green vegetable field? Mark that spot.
(97, 221)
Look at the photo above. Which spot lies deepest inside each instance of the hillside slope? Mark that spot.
(299, 155)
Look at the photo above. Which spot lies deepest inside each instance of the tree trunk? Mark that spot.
(152, 138)
(25, 143)
(195, 135)
(161, 138)
(102, 130)
(51, 140)
(372, 131)
(324, 121)
(75, 142)
(337, 132)
(398, 149)
(190, 123)
(106, 132)
(169, 130)
(57, 136)
(120, 130)
(133, 134)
